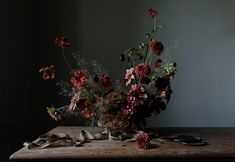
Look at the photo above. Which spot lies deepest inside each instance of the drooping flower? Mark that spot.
(156, 47)
(152, 13)
(62, 42)
(142, 70)
(78, 80)
(129, 76)
(53, 113)
(143, 141)
(105, 81)
(48, 72)
(74, 101)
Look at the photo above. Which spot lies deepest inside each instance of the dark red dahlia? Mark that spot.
(143, 141)
(62, 42)
(152, 13)
(78, 80)
(142, 70)
(156, 47)
(105, 81)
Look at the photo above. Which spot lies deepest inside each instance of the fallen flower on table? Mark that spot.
(143, 141)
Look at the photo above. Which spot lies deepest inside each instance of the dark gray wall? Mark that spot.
(200, 36)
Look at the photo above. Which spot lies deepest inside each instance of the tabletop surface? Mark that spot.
(221, 144)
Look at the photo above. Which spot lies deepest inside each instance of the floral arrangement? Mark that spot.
(109, 103)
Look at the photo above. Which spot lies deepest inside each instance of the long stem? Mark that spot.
(146, 52)
(154, 32)
(66, 61)
(133, 60)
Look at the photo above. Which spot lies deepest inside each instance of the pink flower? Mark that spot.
(156, 47)
(78, 80)
(135, 98)
(142, 70)
(128, 110)
(129, 76)
(143, 141)
(152, 13)
(138, 90)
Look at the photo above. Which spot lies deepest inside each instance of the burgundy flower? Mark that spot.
(105, 81)
(78, 80)
(152, 13)
(143, 141)
(62, 42)
(86, 109)
(142, 70)
(157, 64)
(156, 47)
(48, 72)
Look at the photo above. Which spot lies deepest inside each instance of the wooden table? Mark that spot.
(220, 148)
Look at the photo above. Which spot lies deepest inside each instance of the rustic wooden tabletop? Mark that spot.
(220, 145)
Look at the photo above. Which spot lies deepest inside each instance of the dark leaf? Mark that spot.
(162, 106)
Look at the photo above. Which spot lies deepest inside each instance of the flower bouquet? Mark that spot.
(112, 104)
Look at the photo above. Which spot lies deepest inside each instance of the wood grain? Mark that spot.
(217, 148)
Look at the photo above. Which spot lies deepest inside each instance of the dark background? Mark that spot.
(199, 36)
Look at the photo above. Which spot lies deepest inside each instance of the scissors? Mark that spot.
(186, 140)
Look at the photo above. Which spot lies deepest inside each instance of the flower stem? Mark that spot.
(154, 32)
(66, 61)
(133, 61)
(146, 52)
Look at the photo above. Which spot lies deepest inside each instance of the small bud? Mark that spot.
(148, 35)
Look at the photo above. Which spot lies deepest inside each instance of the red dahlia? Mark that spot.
(142, 70)
(143, 141)
(156, 47)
